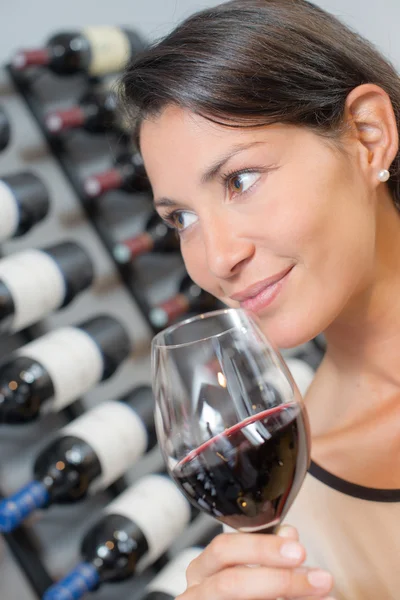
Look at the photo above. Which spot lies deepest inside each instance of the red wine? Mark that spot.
(157, 237)
(95, 51)
(248, 475)
(128, 174)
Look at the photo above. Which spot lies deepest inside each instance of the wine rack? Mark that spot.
(47, 546)
(116, 214)
(44, 548)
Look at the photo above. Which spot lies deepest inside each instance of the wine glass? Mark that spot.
(231, 423)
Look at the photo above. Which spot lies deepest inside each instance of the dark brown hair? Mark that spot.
(257, 62)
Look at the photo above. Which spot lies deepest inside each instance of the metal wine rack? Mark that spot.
(47, 546)
(115, 215)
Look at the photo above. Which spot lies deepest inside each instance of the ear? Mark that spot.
(370, 114)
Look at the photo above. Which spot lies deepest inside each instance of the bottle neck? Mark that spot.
(163, 238)
(114, 546)
(99, 111)
(69, 53)
(67, 467)
(24, 386)
(196, 298)
(132, 173)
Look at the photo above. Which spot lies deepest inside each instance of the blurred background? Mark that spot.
(74, 199)
(26, 23)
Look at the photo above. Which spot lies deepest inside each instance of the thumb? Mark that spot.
(287, 531)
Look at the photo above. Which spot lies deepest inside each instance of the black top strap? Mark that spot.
(353, 489)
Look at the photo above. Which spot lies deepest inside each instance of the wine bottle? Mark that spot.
(128, 174)
(33, 283)
(5, 130)
(171, 581)
(308, 353)
(59, 367)
(95, 51)
(86, 456)
(191, 298)
(97, 111)
(133, 532)
(320, 342)
(24, 201)
(157, 237)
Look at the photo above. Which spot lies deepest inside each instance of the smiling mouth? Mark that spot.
(255, 289)
(265, 294)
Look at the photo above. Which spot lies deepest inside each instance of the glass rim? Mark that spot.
(199, 317)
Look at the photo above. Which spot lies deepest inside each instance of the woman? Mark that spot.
(269, 132)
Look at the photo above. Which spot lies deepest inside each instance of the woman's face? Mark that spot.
(252, 203)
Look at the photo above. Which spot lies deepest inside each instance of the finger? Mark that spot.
(308, 598)
(262, 583)
(231, 549)
(287, 531)
(192, 594)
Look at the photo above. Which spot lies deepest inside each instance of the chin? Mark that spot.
(284, 333)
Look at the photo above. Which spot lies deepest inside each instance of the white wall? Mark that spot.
(27, 22)
(376, 20)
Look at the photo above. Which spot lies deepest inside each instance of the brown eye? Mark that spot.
(240, 183)
(181, 219)
(177, 220)
(235, 184)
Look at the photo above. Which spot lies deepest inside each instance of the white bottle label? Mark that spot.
(172, 579)
(109, 49)
(117, 436)
(9, 212)
(72, 359)
(36, 285)
(158, 508)
(301, 372)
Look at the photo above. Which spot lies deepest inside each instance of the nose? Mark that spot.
(226, 250)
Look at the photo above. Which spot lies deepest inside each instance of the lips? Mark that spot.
(255, 289)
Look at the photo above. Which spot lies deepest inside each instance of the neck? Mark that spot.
(361, 369)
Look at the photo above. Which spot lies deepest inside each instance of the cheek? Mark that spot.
(336, 257)
(328, 230)
(321, 216)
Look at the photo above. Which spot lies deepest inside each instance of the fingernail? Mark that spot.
(291, 550)
(320, 579)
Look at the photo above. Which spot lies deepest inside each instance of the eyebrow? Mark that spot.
(213, 170)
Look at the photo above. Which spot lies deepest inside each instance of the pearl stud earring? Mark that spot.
(383, 175)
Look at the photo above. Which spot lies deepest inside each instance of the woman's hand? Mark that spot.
(222, 570)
